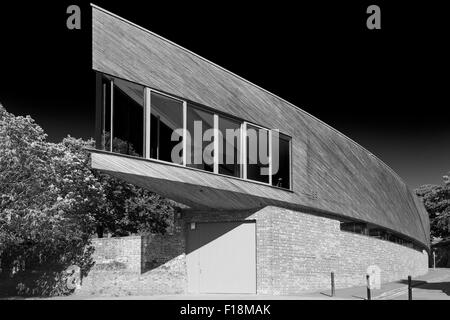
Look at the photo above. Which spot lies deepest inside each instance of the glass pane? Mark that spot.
(257, 154)
(166, 128)
(229, 147)
(282, 170)
(106, 113)
(128, 118)
(200, 126)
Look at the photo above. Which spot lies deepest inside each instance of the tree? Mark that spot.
(125, 208)
(45, 221)
(52, 202)
(436, 199)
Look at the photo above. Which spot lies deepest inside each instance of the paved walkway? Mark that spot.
(437, 288)
(433, 286)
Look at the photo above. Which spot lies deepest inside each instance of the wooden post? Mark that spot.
(369, 297)
(434, 259)
(409, 288)
(332, 285)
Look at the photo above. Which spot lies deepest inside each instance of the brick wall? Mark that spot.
(137, 265)
(296, 252)
(307, 248)
(164, 263)
(121, 253)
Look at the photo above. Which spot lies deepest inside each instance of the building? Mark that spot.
(327, 205)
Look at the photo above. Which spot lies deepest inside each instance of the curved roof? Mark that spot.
(331, 172)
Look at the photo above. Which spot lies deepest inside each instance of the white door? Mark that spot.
(222, 257)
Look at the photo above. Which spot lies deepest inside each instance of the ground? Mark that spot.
(435, 285)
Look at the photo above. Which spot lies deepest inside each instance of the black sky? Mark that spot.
(386, 89)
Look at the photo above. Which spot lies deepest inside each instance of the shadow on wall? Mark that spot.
(142, 254)
(196, 240)
(157, 250)
(148, 264)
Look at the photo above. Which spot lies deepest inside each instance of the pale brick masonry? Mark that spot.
(296, 252)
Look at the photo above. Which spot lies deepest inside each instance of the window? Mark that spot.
(128, 118)
(354, 227)
(200, 126)
(143, 122)
(281, 166)
(377, 232)
(229, 147)
(166, 117)
(257, 157)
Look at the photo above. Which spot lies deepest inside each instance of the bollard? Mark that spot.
(332, 285)
(409, 288)
(368, 288)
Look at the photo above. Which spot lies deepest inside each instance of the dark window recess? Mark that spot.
(128, 118)
(360, 228)
(106, 114)
(166, 117)
(282, 170)
(229, 147)
(376, 232)
(200, 146)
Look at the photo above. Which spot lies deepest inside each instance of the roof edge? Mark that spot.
(255, 85)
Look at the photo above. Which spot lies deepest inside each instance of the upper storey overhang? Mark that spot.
(330, 172)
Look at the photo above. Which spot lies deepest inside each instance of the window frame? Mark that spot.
(244, 150)
(114, 88)
(216, 116)
(289, 139)
(147, 123)
(110, 80)
(216, 147)
(215, 134)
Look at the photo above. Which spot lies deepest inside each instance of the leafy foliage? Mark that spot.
(52, 202)
(124, 208)
(436, 199)
(46, 196)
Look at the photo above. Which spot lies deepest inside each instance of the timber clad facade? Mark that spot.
(331, 207)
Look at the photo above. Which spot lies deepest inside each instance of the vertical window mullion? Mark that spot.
(244, 150)
(112, 116)
(185, 151)
(270, 156)
(291, 182)
(158, 129)
(103, 116)
(147, 121)
(216, 143)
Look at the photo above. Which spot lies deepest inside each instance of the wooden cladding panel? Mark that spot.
(193, 187)
(346, 178)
